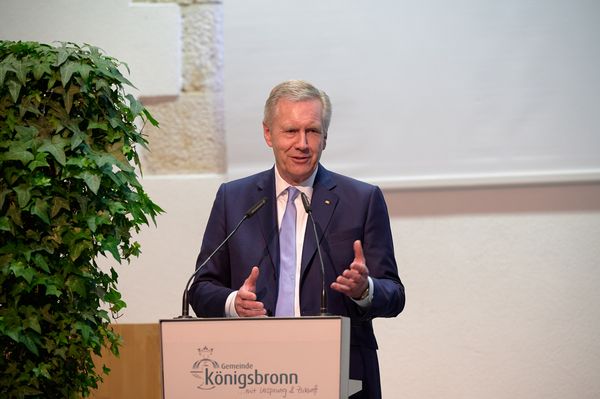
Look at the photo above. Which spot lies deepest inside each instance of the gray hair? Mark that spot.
(297, 90)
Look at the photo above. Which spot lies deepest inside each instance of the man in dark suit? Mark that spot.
(243, 279)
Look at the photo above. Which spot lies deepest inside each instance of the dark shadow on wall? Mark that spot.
(566, 198)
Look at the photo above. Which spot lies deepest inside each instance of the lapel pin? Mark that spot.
(327, 202)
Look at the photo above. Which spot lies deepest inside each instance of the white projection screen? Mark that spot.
(426, 93)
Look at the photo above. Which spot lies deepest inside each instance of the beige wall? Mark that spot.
(502, 298)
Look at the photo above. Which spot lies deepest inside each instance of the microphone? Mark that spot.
(185, 308)
(308, 210)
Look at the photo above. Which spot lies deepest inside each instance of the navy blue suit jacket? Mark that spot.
(344, 210)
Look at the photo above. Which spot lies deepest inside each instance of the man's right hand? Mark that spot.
(245, 302)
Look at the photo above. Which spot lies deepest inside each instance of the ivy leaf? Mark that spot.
(103, 159)
(116, 207)
(110, 244)
(23, 194)
(77, 248)
(114, 297)
(14, 88)
(20, 269)
(21, 71)
(103, 314)
(52, 79)
(3, 193)
(77, 138)
(39, 69)
(26, 133)
(54, 147)
(98, 125)
(66, 71)
(40, 209)
(5, 67)
(91, 222)
(18, 153)
(41, 262)
(68, 97)
(85, 330)
(13, 332)
(150, 118)
(33, 323)
(115, 121)
(38, 162)
(29, 344)
(63, 55)
(135, 106)
(14, 214)
(92, 181)
(58, 203)
(53, 290)
(76, 284)
(4, 223)
(5, 260)
(42, 371)
(116, 150)
(84, 70)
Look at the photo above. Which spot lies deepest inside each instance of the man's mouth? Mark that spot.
(300, 159)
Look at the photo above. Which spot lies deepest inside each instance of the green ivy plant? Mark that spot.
(69, 192)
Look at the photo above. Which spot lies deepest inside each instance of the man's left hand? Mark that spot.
(354, 280)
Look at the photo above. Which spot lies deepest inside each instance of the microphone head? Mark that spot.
(256, 207)
(305, 202)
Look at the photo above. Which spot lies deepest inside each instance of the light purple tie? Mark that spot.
(287, 257)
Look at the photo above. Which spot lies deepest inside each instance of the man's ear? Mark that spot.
(324, 141)
(267, 135)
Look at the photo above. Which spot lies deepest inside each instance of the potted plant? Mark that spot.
(69, 192)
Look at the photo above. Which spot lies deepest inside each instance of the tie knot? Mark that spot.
(292, 193)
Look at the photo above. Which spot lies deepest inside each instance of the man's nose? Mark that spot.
(302, 142)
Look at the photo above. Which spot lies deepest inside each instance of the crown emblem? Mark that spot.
(205, 352)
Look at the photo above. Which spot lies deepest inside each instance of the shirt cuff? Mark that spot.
(363, 303)
(230, 305)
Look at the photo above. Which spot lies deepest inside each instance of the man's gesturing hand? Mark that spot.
(354, 280)
(245, 302)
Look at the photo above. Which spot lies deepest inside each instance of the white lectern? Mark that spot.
(305, 357)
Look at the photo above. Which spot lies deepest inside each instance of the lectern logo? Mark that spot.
(200, 367)
(241, 375)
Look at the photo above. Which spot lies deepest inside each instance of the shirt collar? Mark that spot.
(306, 186)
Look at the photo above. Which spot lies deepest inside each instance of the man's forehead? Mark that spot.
(290, 101)
(292, 109)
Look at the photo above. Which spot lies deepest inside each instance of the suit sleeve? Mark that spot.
(388, 293)
(211, 287)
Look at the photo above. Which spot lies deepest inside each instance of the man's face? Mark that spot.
(297, 138)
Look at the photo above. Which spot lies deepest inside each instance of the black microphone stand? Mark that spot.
(185, 307)
(308, 210)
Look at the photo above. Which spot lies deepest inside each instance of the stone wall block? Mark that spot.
(190, 138)
(202, 47)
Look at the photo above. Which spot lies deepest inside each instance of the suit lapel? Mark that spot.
(268, 217)
(323, 203)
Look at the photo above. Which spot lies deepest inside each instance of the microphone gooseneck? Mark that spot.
(185, 308)
(256, 207)
(308, 210)
(306, 203)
